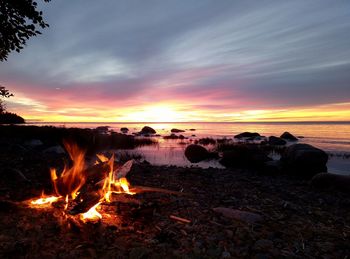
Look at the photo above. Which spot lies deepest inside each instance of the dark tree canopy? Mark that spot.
(4, 93)
(19, 20)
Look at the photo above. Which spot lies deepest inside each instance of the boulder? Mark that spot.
(244, 156)
(326, 181)
(273, 167)
(196, 153)
(55, 150)
(288, 136)
(124, 129)
(102, 129)
(247, 135)
(276, 141)
(304, 160)
(176, 130)
(147, 130)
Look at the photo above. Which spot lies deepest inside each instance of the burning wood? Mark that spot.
(85, 190)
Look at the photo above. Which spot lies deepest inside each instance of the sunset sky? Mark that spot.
(160, 60)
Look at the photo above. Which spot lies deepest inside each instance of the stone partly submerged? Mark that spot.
(196, 153)
(288, 136)
(247, 135)
(276, 141)
(147, 130)
(177, 130)
(304, 160)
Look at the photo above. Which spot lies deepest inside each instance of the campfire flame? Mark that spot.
(45, 200)
(92, 214)
(68, 184)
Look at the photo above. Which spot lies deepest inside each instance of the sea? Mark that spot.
(332, 137)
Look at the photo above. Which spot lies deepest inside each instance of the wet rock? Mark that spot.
(245, 216)
(54, 150)
(207, 141)
(147, 130)
(324, 181)
(196, 153)
(247, 135)
(225, 254)
(192, 129)
(244, 156)
(176, 130)
(171, 136)
(276, 141)
(139, 252)
(304, 160)
(288, 136)
(124, 129)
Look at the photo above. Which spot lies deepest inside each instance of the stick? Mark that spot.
(183, 220)
(140, 189)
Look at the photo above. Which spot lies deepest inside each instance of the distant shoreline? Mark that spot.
(195, 122)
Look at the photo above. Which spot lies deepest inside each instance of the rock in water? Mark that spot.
(304, 160)
(148, 130)
(124, 129)
(244, 156)
(276, 141)
(248, 217)
(176, 130)
(288, 136)
(196, 153)
(247, 135)
(337, 182)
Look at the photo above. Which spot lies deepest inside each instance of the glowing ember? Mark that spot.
(92, 214)
(45, 200)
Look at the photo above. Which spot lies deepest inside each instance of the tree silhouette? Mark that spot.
(19, 20)
(4, 93)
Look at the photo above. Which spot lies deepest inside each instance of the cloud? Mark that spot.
(222, 57)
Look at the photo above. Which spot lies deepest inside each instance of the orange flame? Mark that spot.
(92, 214)
(73, 178)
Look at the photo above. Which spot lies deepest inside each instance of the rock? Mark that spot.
(288, 136)
(54, 150)
(171, 136)
(192, 129)
(102, 129)
(245, 216)
(207, 141)
(124, 129)
(244, 156)
(196, 153)
(147, 130)
(247, 135)
(176, 130)
(139, 252)
(225, 254)
(272, 167)
(34, 143)
(263, 245)
(304, 160)
(276, 141)
(324, 181)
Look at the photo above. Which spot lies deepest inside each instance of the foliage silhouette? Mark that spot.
(19, 20)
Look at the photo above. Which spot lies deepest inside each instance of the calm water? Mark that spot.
(331, 137)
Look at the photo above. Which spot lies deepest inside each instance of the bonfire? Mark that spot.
(82, 190)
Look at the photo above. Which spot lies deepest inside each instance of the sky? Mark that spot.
(162, 60)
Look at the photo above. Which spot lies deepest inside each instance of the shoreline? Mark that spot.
(228, 212)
